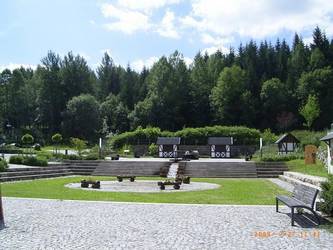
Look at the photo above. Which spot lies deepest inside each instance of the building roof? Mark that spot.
(168, 141)
(327, 137)
(285, 136)
(220, 141)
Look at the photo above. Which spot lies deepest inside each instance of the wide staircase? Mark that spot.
(270, 169)
(219, 169)
(136, 168)
(17, 174)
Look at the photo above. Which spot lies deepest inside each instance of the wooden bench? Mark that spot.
(302, 197)
(162, 184)
(130, 177)
(183, 179)
(94, 184)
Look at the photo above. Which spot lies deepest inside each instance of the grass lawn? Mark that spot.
(317, 169)
(231, 191)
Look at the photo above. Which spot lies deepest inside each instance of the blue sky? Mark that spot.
(138, 32)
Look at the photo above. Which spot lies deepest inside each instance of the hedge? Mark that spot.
(197, 136)
(28, 160)
(3, 165)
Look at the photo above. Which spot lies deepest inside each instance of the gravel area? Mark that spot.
(282, 184)
(145, 186)
(53, 224)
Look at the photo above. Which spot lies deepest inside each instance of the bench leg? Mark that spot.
(277, 205)
(292, 216)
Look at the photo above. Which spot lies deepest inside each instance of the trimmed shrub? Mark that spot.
(34, 161)
(29, 160)
(287, 157)
(153, 149)
(196, 136)
(3, 165)
(91, 156)
(27, 139)
(327, 196)
(16, 159)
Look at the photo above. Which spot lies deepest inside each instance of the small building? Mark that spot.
(328, 139)
(168, 146)
(287, 144)
(220, 147)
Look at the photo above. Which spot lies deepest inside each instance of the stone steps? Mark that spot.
(220, 169)
(298, 178)
(270, 169)
(31, 177)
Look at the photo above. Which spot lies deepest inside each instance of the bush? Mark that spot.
(34, 161)
(307, 137)
(29, 160)
(16, 159)
(285, 157)
(72, 157)
(27, 139)
(3, 165)
(327, 196)
(37, 147)
(153, 149)
(11, 150)
(91, 156)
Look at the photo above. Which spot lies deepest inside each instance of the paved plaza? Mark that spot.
(53, 224)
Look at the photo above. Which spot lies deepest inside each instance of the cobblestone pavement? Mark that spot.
(52, 224)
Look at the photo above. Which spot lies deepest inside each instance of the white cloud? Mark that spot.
(12, 66)
(84, 55)
(259, 18)
(188, 61)
(127, 21)
(146, 5)
(167, 27)
(92, 22)
(140, 63)
(130, 16)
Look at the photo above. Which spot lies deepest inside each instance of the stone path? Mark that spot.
(52, 224)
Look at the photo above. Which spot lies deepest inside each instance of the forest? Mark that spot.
(262, 85)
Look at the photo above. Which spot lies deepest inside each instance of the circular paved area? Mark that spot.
(52, 224)
(145, 186)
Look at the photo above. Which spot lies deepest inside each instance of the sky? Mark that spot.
(138, 32)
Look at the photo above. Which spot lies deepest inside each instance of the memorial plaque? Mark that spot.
(310, 152)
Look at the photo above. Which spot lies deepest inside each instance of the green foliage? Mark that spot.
(79, 145)
(82, 117)
(310, 111)
(27, 139)
(153, 149)
(263, 85)
(230, 99)
(34, 161)
(241, 135)
(56, 138)
(8, 149)
(307, 137)
(28, 160)
(268, 137)
(16, 159)
(3, 165)
(283, 157)
(327, 196)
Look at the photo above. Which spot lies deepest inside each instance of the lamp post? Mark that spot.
(2, 221)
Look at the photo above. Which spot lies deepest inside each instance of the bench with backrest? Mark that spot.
(302, 197)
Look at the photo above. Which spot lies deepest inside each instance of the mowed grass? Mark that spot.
(317, 169)
(231, 191)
